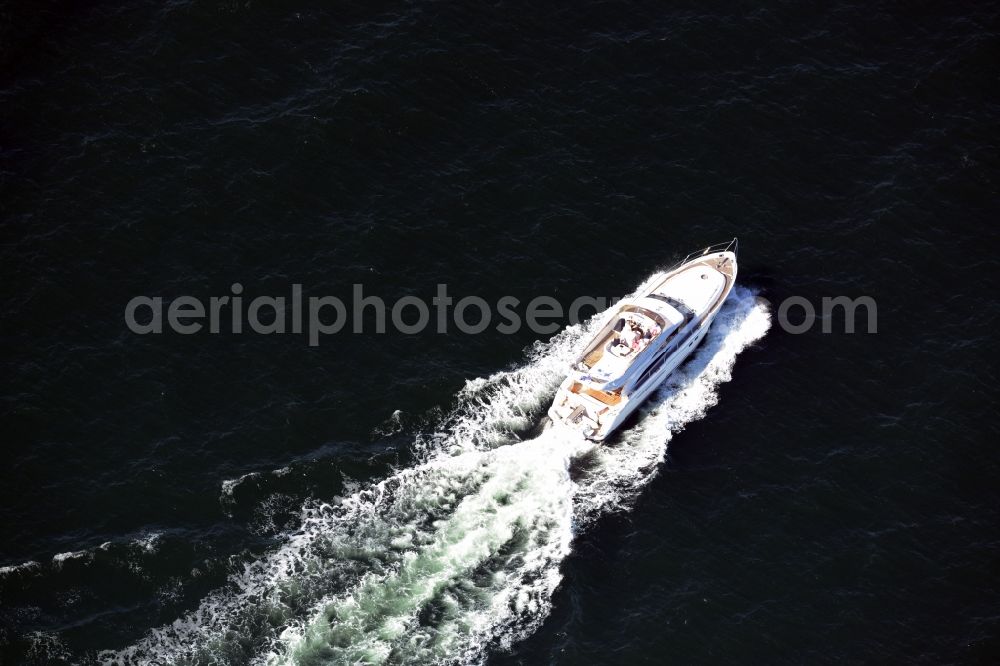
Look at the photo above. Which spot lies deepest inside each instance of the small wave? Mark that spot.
(229, 487)
(15, 569)
(148, 542)
(60, 559)
(145, 543)
(391, 426)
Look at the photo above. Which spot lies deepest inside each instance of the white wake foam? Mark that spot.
(461, 552)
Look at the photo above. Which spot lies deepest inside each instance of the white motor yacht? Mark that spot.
(642, 340)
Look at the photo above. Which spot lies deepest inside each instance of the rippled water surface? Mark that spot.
(240, 498)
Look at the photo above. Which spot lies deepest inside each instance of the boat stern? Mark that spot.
(574, 408)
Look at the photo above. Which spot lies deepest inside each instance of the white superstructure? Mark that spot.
(642, 341)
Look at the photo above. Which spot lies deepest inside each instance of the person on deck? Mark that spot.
(628, 338)
(637, 342)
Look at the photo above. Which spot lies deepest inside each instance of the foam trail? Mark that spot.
(461, 552)
(454, 585)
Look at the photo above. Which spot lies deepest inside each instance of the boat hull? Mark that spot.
(672, 315)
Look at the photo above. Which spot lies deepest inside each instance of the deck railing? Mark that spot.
(733, 245)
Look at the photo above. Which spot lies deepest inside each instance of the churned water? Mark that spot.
(460, 551)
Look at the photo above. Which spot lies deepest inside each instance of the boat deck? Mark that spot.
(600, 396)
(594, 357)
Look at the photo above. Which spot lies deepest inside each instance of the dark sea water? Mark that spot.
(240, 498)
